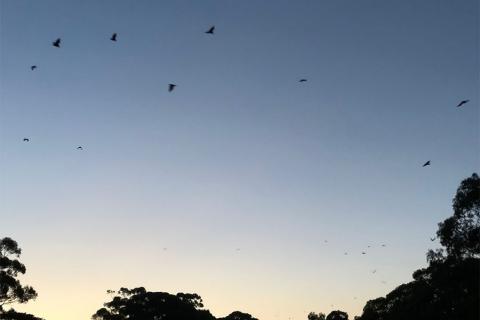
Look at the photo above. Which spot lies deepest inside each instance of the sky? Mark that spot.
(230, 185)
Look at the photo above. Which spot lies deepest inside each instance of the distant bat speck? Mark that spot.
(211, 30)
(426, 163)
(57, 42)
(113, 37)
(171, 87)
(462, 103)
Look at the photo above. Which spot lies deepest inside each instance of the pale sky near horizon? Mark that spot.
(240, 155)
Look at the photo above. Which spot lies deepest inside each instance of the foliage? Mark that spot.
(13, 315)
(337, 315)
(449, 288)
(316, 316)
(11, 290)
(139, 304)
(443, 291)
(237, 315)
(460, 233)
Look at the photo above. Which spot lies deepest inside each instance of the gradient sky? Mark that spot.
(240, 155)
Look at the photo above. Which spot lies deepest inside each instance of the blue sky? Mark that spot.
(240, 155)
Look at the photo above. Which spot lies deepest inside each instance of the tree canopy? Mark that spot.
(449, 288)
(334, 315)
(316, 316)
(237, 315)
(140, 304)
(11, 290)
(460, 233)
(337, 315)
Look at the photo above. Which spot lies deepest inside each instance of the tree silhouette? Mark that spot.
(444, 291)
(13, 315)
(139, 304)
(449, 288)
(237, 315)
(337, 315)
(460, 234)
(316, 316)
(11, 290)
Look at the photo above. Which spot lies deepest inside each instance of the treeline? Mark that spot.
(448, 289)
